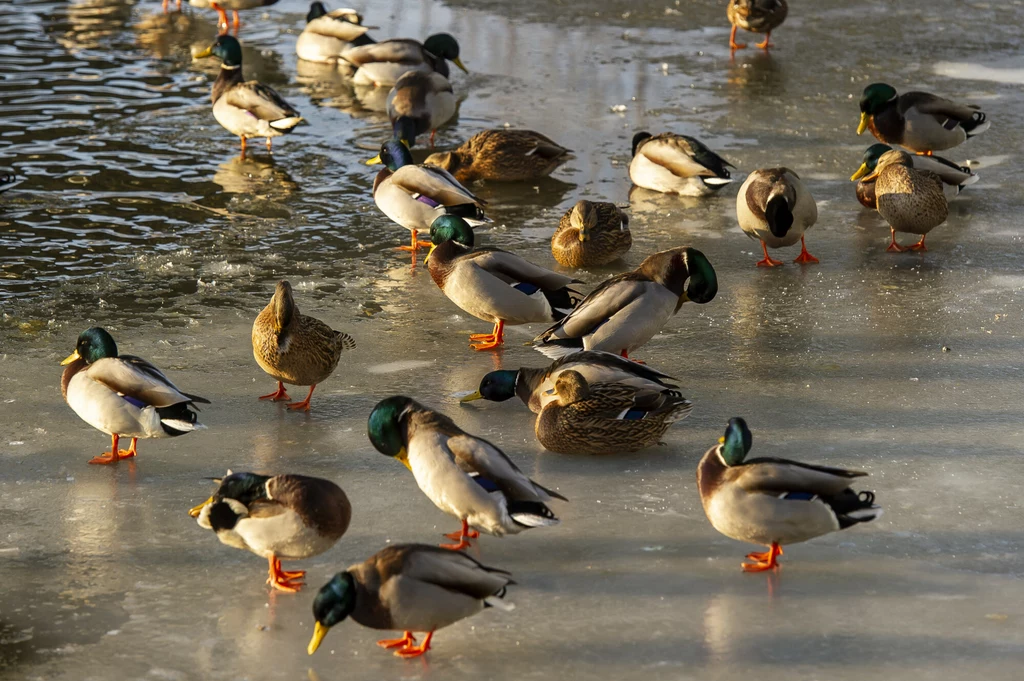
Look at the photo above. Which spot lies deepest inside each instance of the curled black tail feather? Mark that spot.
(177, 412)
(466, 210)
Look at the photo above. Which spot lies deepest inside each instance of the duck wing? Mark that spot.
(684, 156)
(476, 455)
(452, 570)
(434, 183)
(137, 378)
(599, 305)
(402, 51)
(777, 476)
(513, 269)
(260, 100)
(939, 107)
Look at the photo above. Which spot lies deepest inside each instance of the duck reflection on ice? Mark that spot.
(258, 175)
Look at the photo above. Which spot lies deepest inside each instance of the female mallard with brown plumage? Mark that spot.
(774, 502)
(590, 235)
(280, 517)
(775, 207)
(494, 285)
(919, 121)
(383, 63)
(536, 387)
(954, 178)
(606, 418)
(756, 16)
(420, 102)
(295, 348)
(910, 200)
(676, 164)
(328, 34)
(502, 155)
(411, 588)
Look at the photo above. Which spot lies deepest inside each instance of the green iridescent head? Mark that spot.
(226, 48)
(333, 603)
(703, 284)
(445, 46)
(394, 154)
(93, 345)
(737, 442)
(451, 228)
(875, 98)
(386, 428)
(242, 487)
(498, 386)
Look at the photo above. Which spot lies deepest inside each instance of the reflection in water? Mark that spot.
(257, 175)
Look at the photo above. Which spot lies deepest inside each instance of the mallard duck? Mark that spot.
(627, 310)
(775, 207)
(774, 502)
(591, 234)
(409, 587)
(502, 155)
(919, 121)
(295, 348)
(383, 63)
(220, 6)
(756, 16)
(676, 164)
(494, 285)
(123, 395)
(420, 101)
(328, 34)
(280, 517)
(246, 108)
(954, 178)
(910, 200)
(465, 476)
(536, 387)
(606, 418)
(416, 195)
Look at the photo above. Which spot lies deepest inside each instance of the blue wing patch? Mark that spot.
(134, 401)
(634, 415)
(798, 496)
(488, 485)
(526, 287)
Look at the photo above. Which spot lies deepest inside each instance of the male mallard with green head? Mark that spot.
(420, 102)
(775, 502)
(383, 63)
(295, 348)
(123, 395)
(502, 155)
(775, 207)
(411, 588)
(919, 121)
(279, 517)
(464, 475)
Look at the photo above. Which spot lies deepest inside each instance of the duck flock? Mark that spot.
(593, 399)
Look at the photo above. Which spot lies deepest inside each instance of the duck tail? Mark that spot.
(531, 514)
(679, 407)
(469, 212)
(286, 124)
(557, 348)
(978, 124)
(852, 508)
(497, 602)
(178, 419)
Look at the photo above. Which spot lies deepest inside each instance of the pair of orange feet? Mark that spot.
(461, 536)
(804, 258)
(115, 454)
(407, 645)
(896, 248)
(763, 561)
(281, 394)
(284, 580)
(733, 45)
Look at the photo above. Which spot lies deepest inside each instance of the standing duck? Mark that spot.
(328, 34)
(606, 418)
(246, 108)
(954, 178)
(775, 207)
(627, 310)
(287, 517)
(465, 476)
(502, 155)
(412, 588)
(774, 502)
(919, 121)
(590, 235)
(220, 6)
(910, 200)
(416, 195)
(676, 164)
(536, 387)
(123, 395)
(756, 16)
(494, 285)
(420, 101)
(382, 64)
(295, 348)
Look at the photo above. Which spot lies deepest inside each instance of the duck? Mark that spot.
(626, 310)
(328, 34)
(954, 177)
(606, 418)
(416, 195)
(775, 207)
(591, 234)
(246, 108)
(464, 475)
(277, 517)
(677, 164)
(920, 121)
(221, 7)
(756, 16)
(420, 101)
(494, 285)
(409, 587)
(536, 387)
(295, 348)
(124, 395)
(502, 155)
(909, 199)
(382, 64)
(775, 502)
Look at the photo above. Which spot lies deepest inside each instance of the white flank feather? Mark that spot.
(556, 351)
(532, 520)
(183, 426)
(496, 602)
(286, 123)
(714, 181)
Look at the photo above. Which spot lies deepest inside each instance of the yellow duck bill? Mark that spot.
(196, 510)
(471, 398)
(861, 172)
(864, 118)
(319, 631)
(71, 358)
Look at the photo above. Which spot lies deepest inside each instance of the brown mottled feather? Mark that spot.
(910, 200)
(607, 235)
(757, 16)
(502, 155)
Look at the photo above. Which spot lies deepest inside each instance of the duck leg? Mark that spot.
(132, 451)
(763, 561)
(115, 454)
(432, 133)
(222, 28)
(767, 262)
(234, 20)
(766, 43)
(243, 146)
(278, 395)
(304, 404)
(919, 246)
(484, 341)
(804, 256)
(464, 532)
(893, 246)
(625, 355)
(415, 651)
(925, 153)
(733, 45)
(416, 244)
(407, 641)
(289, 574)
(281, 580)
(270, 144)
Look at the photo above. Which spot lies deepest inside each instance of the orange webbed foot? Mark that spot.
(768, 262)
(463, 544)
(414, 650)
(895, 248)
(106, 458)
(763, 561)
(805, 258)
(278, 395)
(407, 641)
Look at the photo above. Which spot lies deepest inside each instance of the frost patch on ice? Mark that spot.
(966, 71)
(1011, 281)
(392, 367)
